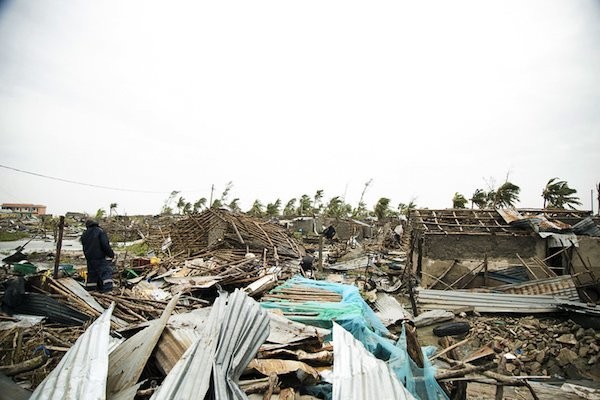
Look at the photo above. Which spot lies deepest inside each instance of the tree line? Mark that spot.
(556, 195)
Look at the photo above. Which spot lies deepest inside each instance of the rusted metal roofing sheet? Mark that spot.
(181, 331)
(128, 360)
(358, 375)
(234, 331)
(190, 377)
(389, 310)
(562, 286)
(82, 372)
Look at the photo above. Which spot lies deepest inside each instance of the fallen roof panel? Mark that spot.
(389, 309)
(234, 331)
(82, 372)
(358, 375)
(486, 302)
(128, 360)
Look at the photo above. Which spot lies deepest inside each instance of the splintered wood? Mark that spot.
(302, 294)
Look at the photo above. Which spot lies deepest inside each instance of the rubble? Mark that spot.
(217, 309)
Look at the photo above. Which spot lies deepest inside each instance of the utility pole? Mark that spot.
(212, 189)
(61, 226)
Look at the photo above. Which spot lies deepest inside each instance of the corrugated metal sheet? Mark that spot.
(358, 375)
(486, 302)
(190, 377)
(245, 327)
(182, 330)
(128, 360)
(284, 330)
(234, 331)
(586, 227)
(562, 286)
(55, 311)
(389, 309)
(82, 372)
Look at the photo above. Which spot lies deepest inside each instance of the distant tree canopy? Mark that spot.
(558, 194)
(290, 208)
(337, 208)
(506, 195)
(459, 201)
(479, 198)
(405, 209)
(273, 208)
(257, 209)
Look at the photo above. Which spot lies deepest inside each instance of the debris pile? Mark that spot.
(217, 311)
(545, 346)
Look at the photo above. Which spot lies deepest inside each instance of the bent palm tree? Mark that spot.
(558, 194)
(459, 201)
(506, 195)
(479, 198)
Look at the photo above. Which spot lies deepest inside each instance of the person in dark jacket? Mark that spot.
(98, 253)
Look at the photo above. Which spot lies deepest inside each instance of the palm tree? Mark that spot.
(234, 205)
(558, 194)
(180, 204)
(290, 208)
(113, 208)
(382, 208)
(217, 203)
(226, 192)
(198, 205)
(459, 201)
(166, 208)
(100, 213)
(304, 207)
(257, 209)
(317, 201)
(405, 208)
(273, 208)
(361, 210)
(506, 195)
(479, 198)
(187, 208)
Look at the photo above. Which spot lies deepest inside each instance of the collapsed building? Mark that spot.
(466, 248)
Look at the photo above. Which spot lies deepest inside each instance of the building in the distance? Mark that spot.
(24, 209)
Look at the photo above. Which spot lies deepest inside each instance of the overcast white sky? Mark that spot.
(284, 98)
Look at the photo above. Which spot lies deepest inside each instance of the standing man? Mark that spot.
(98, 253)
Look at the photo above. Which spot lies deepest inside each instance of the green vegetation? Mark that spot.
(138, 249)
(558, 194)
(459, 201)
(10, 236)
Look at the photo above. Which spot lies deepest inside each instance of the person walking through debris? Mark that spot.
(98, 255)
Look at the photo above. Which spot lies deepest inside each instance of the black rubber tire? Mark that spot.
(452, 329)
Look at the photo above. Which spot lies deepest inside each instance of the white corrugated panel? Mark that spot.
(358, 375)
(486, 302)
(389, 310)
(128, 360)
(234, 331)
(82, 372)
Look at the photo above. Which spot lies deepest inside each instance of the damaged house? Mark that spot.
(468, 248)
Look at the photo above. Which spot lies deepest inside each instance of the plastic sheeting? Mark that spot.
(355, 315)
